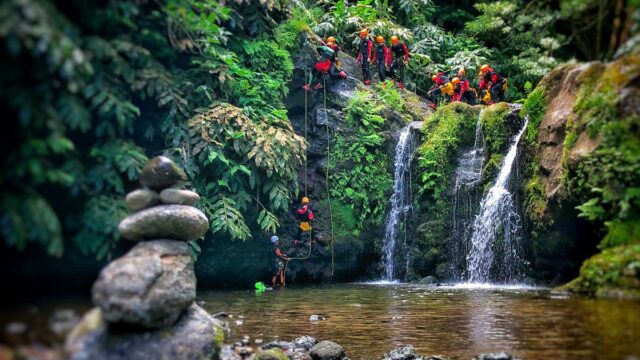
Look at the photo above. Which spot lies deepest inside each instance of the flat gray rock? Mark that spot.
(150, 286)
(176, 222)
(196, 336)
(161, 173)
(141, 199)
(179, 197)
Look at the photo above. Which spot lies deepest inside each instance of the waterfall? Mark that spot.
(466, 198)
(400, 200)
(495, 247)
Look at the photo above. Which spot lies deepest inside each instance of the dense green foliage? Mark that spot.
(92, 90)
(359, 162)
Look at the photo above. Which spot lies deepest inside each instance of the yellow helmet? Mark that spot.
(331, 39)
(455, 80)
(380, 39)
(364, 33)
(305, 200)
(484, 68)
(394, 40)
(462, 72)
(434, 77)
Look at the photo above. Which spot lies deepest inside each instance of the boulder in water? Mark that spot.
(196, 335)
(408, 352)
(304, 342)
(141, 199)
(496, 356)
(161, 172)
(177, 222)
(179, 197)
(150, 286)
(327, 350)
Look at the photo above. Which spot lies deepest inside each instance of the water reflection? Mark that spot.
(369, 319)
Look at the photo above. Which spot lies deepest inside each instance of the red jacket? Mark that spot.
(304, 213)
(400, 50)
(366, 46)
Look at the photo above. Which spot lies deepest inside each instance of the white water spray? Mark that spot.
(496, 227)
(400, 202)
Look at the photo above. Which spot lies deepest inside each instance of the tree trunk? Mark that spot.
(615, 31)
(628, 23)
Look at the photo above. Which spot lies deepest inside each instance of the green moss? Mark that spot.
(614, 271)
(218, 339)
(535, 204)
(448, 129)
(494, 128)
(491, 169)
(534, 107)
(271, 354)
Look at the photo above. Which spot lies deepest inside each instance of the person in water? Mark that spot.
(279, 260)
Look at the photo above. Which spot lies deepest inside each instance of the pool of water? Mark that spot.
(457, 321)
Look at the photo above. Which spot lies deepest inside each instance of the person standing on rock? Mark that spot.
(400, 55)
(278, 260)
(365, 55)
(381, 58)
(494, 83)
(304, 215)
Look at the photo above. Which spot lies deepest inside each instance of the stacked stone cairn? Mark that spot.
(144, 300)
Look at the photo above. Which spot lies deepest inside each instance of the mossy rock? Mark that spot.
(613, 273)
(271, 354)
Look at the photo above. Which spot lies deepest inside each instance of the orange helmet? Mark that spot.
(364, 33)
(380, 39)
(305, 200)
(331, 39)
(462, 72)
(434, 77)
(455, 80)
(484, 68)
(394, 40)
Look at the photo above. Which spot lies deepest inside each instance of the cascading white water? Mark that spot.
(466, 199)
(400, 203)
(496, 227)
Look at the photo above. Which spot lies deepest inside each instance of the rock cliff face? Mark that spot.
(583, 151)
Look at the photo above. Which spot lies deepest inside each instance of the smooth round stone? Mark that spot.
(141, 199)
(327, 350)
(176, 222)
(179, 197)
(149, 287)
(196, 335)
(161, 173)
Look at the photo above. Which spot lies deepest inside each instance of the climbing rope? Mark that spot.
(326, 119)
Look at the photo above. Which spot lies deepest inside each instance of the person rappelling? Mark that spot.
(304, 216)
(400, 55)
(382, 58)
(365, 55)
(325, 65)
(278, 260)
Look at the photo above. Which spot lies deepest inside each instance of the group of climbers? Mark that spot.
(304, 217)
(492, 87)
(393, 59)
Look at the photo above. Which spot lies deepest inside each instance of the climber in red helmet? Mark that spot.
(382, 58)
(400, 56)
(365, 55)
